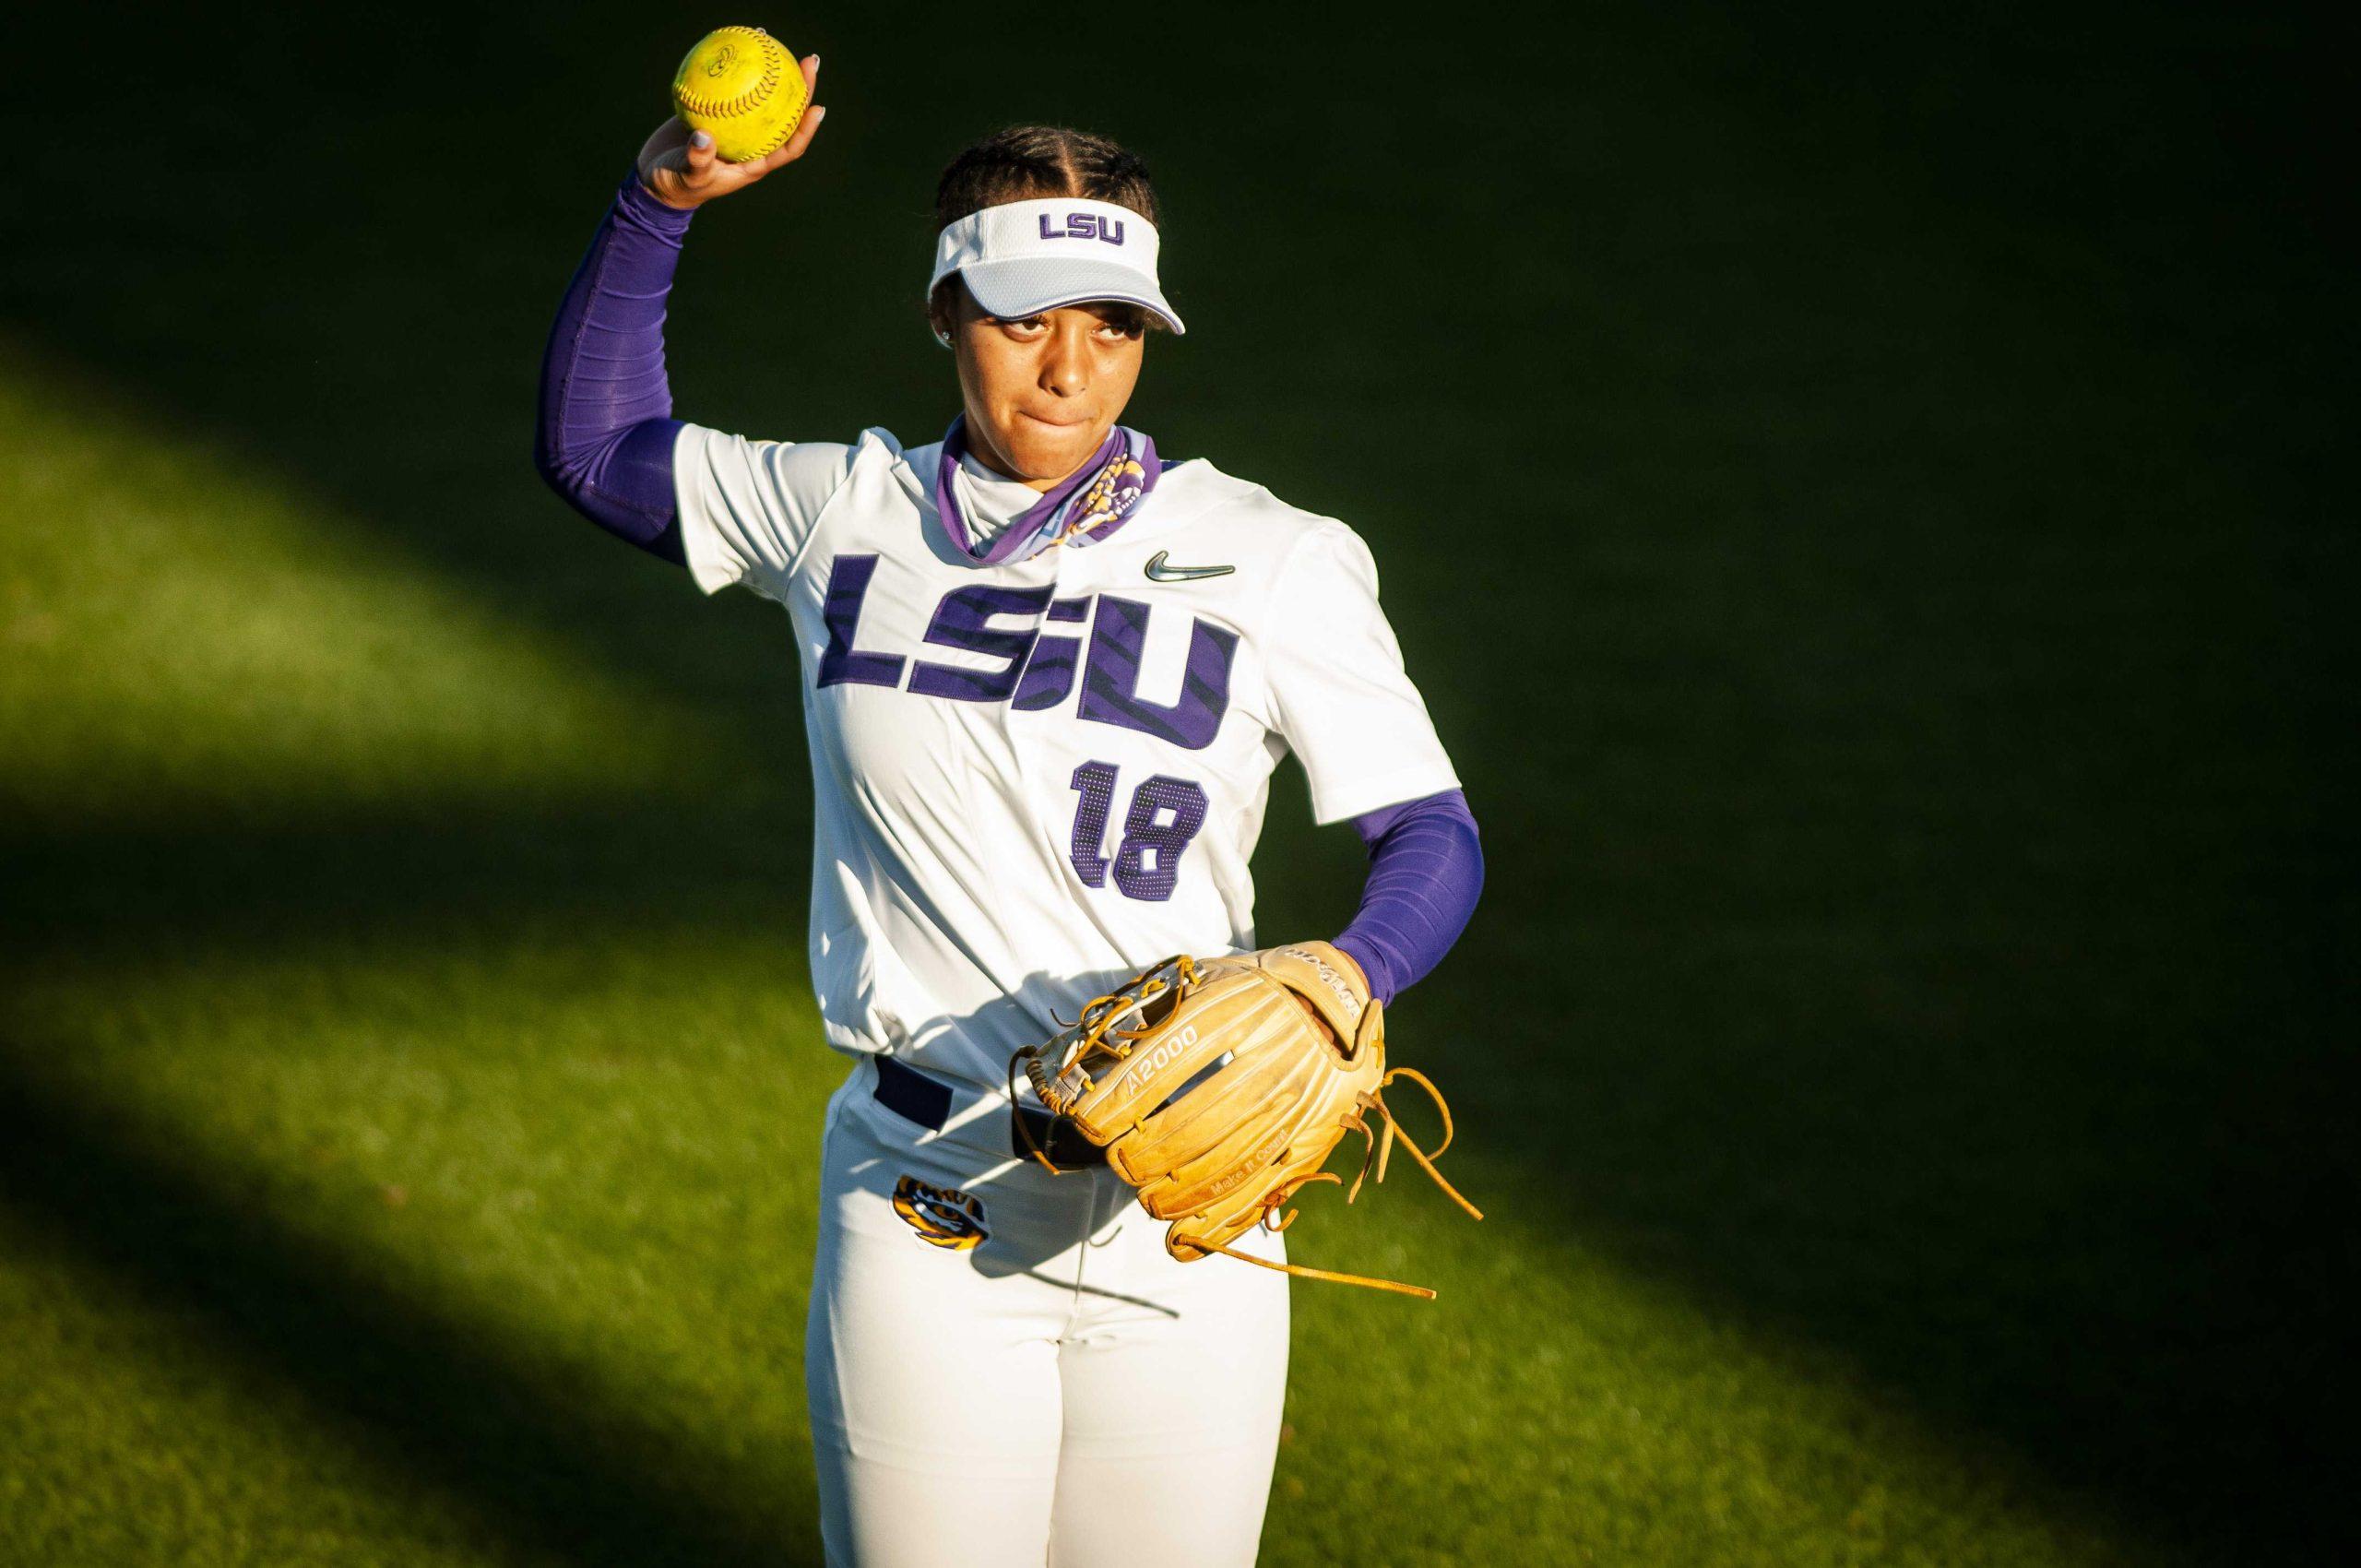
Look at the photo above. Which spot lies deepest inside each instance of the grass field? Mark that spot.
(1856, 493)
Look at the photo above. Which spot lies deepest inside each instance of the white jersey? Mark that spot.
(1032, 779)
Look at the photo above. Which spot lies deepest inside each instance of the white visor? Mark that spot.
(1024, 257)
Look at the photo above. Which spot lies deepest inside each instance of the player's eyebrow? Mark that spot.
(1113, 313)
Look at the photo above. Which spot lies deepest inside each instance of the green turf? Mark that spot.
(1854, 488)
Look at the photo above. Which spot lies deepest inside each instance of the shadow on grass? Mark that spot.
(271, 885)
(539, 1456)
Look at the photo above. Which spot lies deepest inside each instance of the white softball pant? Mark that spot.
(1016, 1374)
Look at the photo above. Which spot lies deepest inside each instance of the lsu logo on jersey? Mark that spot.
(1040, 665)
(944, 1216)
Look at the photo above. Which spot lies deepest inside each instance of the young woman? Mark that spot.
(1047, 675)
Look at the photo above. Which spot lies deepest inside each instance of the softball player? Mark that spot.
(1047, 675)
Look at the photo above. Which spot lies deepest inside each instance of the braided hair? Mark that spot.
(1024, 162)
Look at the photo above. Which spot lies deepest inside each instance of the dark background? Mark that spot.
(1860, 490)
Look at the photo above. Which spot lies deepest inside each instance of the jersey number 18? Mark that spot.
(1165, 815)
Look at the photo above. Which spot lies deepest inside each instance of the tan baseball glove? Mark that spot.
(1219, 1086)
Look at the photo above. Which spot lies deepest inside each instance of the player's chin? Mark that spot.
(1049, 449)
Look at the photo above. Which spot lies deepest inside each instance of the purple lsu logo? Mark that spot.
(1085, 226)
(1037, 666)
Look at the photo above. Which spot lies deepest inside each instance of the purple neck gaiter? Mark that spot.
(1080, 509)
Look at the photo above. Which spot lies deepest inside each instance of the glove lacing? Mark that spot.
(1101, 1021)
(1375, 1149)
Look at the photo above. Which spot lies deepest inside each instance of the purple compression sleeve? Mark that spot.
(605, 437)
(1425, 868)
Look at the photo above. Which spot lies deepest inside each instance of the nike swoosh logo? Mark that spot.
(1157, 571)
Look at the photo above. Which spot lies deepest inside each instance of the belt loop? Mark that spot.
(911, 1095)
(926, 1101)
(1058, 1140)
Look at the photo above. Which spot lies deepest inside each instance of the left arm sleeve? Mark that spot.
(1425, 870)
(1344, 703)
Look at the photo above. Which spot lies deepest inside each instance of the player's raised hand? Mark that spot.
(681, 169)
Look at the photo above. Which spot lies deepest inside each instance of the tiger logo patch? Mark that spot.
(944, 1216)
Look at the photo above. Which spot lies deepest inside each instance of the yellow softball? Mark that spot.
(741, 85)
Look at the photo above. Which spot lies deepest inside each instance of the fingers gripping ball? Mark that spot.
(743, 87)
(1219, 1087)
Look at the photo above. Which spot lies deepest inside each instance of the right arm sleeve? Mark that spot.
(729, 509)
(604, 439)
